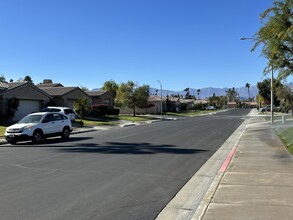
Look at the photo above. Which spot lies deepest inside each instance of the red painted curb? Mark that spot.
(227, 160)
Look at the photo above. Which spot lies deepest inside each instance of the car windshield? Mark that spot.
(30, 119)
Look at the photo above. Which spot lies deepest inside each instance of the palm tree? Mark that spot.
(198, 91)
(247, 85)
(82, 106)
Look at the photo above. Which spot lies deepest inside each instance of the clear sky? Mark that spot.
(182, 43)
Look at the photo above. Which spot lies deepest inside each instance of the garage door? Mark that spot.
(26, 107)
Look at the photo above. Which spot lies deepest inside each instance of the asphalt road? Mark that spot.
(126, 173)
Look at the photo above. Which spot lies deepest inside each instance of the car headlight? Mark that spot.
(18, 130)
(25, 128)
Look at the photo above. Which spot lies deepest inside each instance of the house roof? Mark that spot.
(12, 86)
(201, 101)
(58, 91)
(4, 85)
(186, 101)
(156, 99)
(97, 93)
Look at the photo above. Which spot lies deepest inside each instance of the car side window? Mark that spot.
(48, 118)
(63, 117)
(57, 117)
(68, 111)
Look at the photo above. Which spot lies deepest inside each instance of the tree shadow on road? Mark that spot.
(130, 148)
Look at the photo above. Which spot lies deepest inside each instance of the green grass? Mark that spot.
(286, 135)
(92, 123)
(2, 130)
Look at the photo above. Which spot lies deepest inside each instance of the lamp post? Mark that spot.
(272, 83)
(161, 100)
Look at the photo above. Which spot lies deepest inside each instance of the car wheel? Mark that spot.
(12, 142)
(37, 137)
(65, 133)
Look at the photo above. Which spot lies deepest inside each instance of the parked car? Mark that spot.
(67, 111)
(268, 108)
(210, 108)
(38, 126)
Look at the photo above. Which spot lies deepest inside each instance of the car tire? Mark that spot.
(37, 137)
(12, 142)
(65, 133)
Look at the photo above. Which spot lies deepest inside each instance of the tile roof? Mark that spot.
(58, 91)
(96, 93)
(4, 85)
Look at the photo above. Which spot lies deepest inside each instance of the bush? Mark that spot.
(102, 110)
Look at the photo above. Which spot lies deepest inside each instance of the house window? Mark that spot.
(107, 101)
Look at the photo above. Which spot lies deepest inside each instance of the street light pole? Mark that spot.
(161, 100)
(272, 82)
(272, 97)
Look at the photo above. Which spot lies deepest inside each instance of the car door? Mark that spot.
(58, 123)
(48, 124)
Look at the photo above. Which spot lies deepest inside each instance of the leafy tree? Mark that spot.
(82, 107)
(142, 95)
(276, 35)
(111, 86)
(218, 101)
(247, 85)
(28, 79)
(128, 94)
(2, 78)
(264, 88)
(259, 100)
(285, 94)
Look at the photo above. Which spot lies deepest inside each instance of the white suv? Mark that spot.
(67, 111)
(38, 126)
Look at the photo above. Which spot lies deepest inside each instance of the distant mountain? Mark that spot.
(208, 92)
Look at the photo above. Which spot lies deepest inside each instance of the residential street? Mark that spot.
(120, 173)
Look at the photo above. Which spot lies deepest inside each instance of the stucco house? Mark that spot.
(29, 97)
(101, 97)
(65, 96)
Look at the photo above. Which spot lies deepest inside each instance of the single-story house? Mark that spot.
(173, 104)
(186, 104)
(153, 107)
(101, 97)
(65, 96)
(29, 97)
(231, 105)
(250, 104)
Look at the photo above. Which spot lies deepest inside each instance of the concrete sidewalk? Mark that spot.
(257, 183)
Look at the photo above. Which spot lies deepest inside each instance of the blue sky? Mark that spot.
(182, 43)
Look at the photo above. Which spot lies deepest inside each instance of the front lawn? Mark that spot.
(2, 130)
(286, 135)
(284, 131)
(86, 122)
